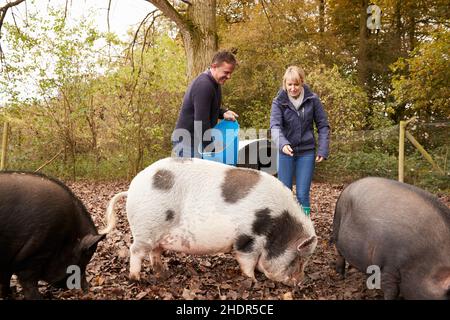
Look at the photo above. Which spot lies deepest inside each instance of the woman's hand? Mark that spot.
(288, 150)
(319, 158)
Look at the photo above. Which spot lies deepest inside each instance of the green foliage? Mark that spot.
(264, 53)
(345, 103)
(346, 167)
(375, 153)
(333, 36)
(110, 110)
(256, 116)
(148, 100)
(84, 104)
(58, 65)
(419, 172)
(47, 55)
(421, 82)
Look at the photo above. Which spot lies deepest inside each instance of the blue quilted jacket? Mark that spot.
(295, 127)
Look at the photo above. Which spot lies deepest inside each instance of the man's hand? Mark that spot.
(230, 115)
(319, 159)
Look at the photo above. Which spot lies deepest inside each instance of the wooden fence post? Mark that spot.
(4, 146)
(401, 151)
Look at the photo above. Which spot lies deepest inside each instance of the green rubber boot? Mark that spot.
(307, 211)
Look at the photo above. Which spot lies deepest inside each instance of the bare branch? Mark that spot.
(107, 15)
(65, 10)
(109, 28)
(2, 58)
(263, 2)
(3, 11)
(170, 12)
(5, 8)
(11, 4)
(145, 36)
(133, 43)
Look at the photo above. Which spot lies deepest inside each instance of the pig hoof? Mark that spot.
(340, 272)
(134, 277)
(33, 296)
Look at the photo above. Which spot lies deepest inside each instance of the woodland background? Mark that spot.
(108, 107)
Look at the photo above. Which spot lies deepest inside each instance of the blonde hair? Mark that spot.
(293, 73)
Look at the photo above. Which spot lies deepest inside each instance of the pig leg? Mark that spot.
(5, 289)
(30, 290)
(138, 251)
(29, 284)
(340, 264)
(155, 258)
(247, 262)
(390, 285)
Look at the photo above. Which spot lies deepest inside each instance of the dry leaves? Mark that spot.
(205, 277)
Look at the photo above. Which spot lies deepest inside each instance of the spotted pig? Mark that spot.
(203, 207)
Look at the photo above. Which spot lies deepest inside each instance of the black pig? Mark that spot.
(402, 229)
(44, 229)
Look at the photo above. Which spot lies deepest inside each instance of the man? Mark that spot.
(201, 107)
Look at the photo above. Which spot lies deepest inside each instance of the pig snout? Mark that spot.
(295, 278)
(290, 280)
(288, 277)
(294, 281)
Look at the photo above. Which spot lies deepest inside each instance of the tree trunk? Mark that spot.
(200, 40)
(198, 29)
(322, 29)
(397, 22)
(363, 43)
(412, 32)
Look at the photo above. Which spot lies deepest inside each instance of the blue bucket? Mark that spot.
(226, 141)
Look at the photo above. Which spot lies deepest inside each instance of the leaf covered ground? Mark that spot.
(206, 277)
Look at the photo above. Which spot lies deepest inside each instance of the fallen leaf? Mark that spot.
(100, 280)
(203, 276)
(140, 295)
(187, 294)
(287, 296)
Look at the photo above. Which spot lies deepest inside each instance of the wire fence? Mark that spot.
(375, 153)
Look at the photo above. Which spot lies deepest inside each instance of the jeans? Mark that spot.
(303, 168)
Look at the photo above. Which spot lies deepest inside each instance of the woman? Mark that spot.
(294, 111)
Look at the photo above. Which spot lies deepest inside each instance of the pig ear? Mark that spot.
(307, 246)
(90, 240)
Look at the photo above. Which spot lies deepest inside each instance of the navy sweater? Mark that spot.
(201, 102)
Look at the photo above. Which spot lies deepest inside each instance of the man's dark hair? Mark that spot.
(224, 56)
